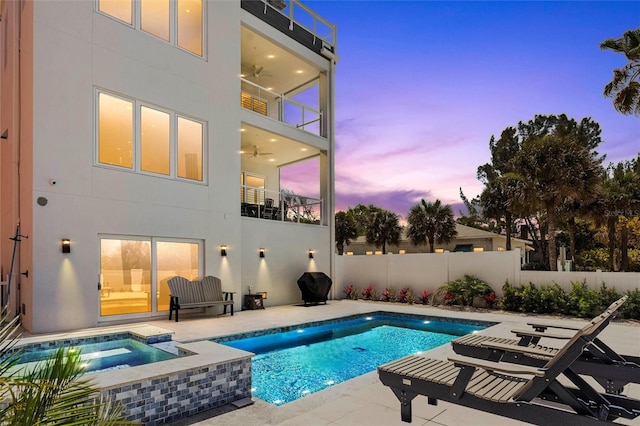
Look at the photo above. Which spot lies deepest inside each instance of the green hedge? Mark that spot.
(581, 301)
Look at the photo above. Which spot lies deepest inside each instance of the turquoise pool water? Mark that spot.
(299, 362)
(104, 356)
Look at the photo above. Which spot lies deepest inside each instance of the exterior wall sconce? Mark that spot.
(368, 253)
(402, 251)
(261, 252)
(223, 250)
(378, 253)
(349, 253)
(311, 254)
(66, 245)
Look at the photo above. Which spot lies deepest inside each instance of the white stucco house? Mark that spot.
(145, 139)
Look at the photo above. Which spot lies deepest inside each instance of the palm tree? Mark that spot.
(346, 230)
(556, 167)
(52, 392)
(383, 227)
(624, 88)
(431, 222)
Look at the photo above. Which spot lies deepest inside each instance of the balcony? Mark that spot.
(298, 21)
(282, 206)
(263, 101)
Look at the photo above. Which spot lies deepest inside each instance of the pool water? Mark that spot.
(104, 356)
(297, 363)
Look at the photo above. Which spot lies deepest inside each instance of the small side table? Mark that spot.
(253, 301)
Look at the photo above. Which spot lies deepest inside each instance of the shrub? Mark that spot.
(631, 308)
(424, 298)
(410, 298)
(553, 299)
(583, 302)
(464, 291)
(530, 298)
(511, 298)
(607, 296)
(374, 294)
(535, 266)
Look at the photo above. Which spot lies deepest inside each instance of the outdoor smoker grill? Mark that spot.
(315, 287)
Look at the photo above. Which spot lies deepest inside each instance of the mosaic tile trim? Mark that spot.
(348, 318)
(63, 343)
(178, 395)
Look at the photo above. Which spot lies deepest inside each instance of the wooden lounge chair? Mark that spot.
(611, 370)
(187, 294)
(538, 395)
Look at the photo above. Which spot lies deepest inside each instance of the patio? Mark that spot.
(363, 400)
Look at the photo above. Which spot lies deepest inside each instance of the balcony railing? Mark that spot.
(283, 206)
(306, 18)
(279, 107)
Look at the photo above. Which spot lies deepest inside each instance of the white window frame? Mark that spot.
(137, 120)
(136, 17)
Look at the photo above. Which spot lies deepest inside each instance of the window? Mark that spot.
(179, 22)
(122, 10)
(134, 272)
(155, 141)
(164, 142)
(115, 131)
(155, 18)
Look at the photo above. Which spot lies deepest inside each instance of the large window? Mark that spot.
(134, 272)
(179, 22)
(166, 143)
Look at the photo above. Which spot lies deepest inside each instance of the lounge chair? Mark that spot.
(611, 370)
(537, 395)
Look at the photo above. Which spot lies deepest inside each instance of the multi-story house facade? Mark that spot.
(145, 139)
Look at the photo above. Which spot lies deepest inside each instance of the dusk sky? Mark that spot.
(422, 86)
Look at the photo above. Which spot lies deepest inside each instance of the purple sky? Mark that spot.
(422, 86)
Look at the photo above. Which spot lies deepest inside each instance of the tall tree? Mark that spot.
(624, 88)
(557, 166)
(346, 230)
(383, 228)
(431, 222)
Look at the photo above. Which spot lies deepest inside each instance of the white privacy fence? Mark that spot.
(428, 271)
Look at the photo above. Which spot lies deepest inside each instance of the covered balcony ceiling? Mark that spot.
(271, 149)
(271, 66)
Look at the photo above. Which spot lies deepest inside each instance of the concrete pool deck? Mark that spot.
(364, 400)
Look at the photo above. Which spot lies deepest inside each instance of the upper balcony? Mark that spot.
(298, 21)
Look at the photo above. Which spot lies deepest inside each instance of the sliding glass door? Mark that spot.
(134, 272)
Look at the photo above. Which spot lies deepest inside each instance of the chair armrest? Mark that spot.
(526, 350)
(497, 366)
(542, 327)
(529, 333)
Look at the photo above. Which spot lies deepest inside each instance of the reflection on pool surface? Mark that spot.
(302, 361)
(104, 356)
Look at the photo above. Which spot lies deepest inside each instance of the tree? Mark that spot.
(346, 230)
(554, 167)
(624, 88)
(431, 222)
(382, 228)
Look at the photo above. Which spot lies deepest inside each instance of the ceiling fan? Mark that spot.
(257, 153)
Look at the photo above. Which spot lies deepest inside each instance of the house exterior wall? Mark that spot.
(76, 51)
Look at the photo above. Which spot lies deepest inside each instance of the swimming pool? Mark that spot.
(102, 356)
(308, 358)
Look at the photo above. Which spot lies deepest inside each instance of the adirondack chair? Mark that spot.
(539, 395)
(203, 293)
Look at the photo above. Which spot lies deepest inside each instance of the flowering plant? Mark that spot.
(351, 292)
(388, 295)
(448, 298)
(402, 295)
(366, 293)
(424, 298)
(490, 299)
